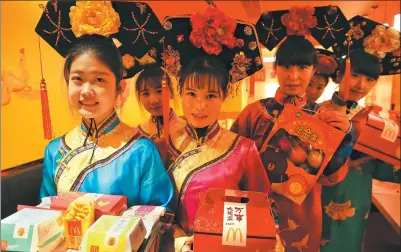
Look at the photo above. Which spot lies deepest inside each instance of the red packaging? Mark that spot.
(221, 225)
(297, 151)
(376, 136)
(104, 204)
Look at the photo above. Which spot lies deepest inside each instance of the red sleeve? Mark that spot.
(255, 177)
(242, 125)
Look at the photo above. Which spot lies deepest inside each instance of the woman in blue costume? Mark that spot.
(102, 154)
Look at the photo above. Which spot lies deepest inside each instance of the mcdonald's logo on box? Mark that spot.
(74, 228)
(258, 234)
(377, 137)
(4, 245)
(30, 228)
(390, 134)
(94, 249)
(234, 236)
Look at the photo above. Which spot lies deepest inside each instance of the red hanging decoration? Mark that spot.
(166, 107)
(165, 100)
(252, 85)
(47, 123)
(347, 72)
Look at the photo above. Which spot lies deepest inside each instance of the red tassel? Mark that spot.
(347, 72)
(47, 124)
(166, 107)
(347, 75)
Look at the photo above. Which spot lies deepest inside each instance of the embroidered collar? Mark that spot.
(154, 128)
(296, 100)
(211, 132)
(340, 102)
(106, 126)
(172, 116)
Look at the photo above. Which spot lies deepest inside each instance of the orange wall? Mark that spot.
(21, 122)
(22, 138)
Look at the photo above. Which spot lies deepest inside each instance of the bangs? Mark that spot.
(294, 57)
(204, 81)
(154, 82)
(365, 64)
(370, 70)
(296, 50)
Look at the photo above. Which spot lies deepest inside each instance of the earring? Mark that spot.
(119, 101)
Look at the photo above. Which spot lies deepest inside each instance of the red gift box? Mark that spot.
(376, 136)
(297, 150)
(215, 230)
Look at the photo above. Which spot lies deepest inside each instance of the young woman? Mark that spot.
(149, 93)
(206, 155)
(346, 206)
(300, 225)
(325, 69)
(102, 154)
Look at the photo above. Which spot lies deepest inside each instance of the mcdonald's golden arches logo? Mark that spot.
(4, 244)
(74, 230)
(389, 133)
(94, 249)
(234, 232)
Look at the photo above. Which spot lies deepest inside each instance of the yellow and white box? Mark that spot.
(32, 230)
(114, 233)
(150, 215)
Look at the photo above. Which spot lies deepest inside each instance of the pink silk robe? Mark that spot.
(222, 159)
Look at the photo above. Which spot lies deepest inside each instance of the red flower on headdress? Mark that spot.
(211, 30)
(299, 20)
(326, 64)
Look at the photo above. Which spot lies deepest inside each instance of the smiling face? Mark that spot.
(151, 99)
(365, 71)
(201, 103)
(148, 88)
(316, 87)
(359, 86)
(91, 87)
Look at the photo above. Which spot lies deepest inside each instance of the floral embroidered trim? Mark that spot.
(171, 58)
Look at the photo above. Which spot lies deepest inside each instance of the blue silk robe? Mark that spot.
(123, 163)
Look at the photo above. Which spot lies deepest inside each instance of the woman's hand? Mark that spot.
(335, 118)
(188, 244)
